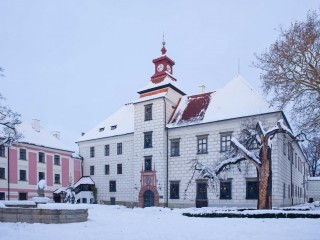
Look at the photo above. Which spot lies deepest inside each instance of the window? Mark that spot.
(148, 163)
(56, 160)
(106, 169)
(202, 190)
(91, 170)
(101, 129)
(119, 148)
(202, 144)
(23, 175)
(84, 200)
(112, 186)
(284, 191)
(290, 153)
(225, 189)
(23, 154)
(289, 191)
(2, 173)
(107, 150)
(57, 178)
(295, 160)
(119, 168)
(252, 190)
(175, 147)
(91, 152)
(148, 140)
(41, 175)
(174, 189)
(2, 151)
(2, 196)
(23, 196)
(113, 127)
(225, 141)
(41, 157)
(112, 201)
(148, 112)
(284, 147)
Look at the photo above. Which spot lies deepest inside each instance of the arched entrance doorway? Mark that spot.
(148, 199)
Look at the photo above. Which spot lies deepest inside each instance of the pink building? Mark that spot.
(38, 155)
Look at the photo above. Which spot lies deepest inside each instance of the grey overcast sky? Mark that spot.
(72, 63)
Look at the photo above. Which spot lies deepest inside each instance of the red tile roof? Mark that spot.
(195, 109)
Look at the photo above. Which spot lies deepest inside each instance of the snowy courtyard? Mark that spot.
(118, 222)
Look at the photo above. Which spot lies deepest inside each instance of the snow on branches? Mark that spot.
(8, 123)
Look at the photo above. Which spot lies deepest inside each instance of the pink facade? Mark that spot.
(77, 170)
(32, 169)
(13, 166)
(19, 185)
(65, 172)
(49, 170)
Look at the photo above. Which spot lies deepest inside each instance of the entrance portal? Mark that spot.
(148, 199)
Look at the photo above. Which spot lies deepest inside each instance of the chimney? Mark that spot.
(202, 88)
(36, 125)
(56, 134)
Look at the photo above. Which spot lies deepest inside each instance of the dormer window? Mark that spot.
(113, 127)
(101, 129)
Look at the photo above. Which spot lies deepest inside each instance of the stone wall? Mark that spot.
(43, 215)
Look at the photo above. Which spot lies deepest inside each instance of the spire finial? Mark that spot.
(163, 42)
(163, 50)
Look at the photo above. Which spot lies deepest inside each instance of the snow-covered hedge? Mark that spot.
(254, 214)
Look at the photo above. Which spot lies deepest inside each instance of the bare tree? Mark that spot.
(312, 152)
(291, 71)
(261, 159)
(8, 122)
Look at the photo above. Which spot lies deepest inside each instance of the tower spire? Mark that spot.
(163, 50)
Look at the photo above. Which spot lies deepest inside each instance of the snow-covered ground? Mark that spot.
(118, 222)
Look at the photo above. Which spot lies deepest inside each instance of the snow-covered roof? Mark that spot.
(84, 180)
(121, 122)
(42, 137)
(60, 190)
(237, 99)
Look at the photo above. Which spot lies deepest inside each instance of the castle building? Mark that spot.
(38, 155)
(140, 155)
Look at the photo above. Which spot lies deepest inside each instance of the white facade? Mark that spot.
(313, 188)
(175, 119)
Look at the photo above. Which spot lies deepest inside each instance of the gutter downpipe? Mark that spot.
(8, 173)
(167, 154)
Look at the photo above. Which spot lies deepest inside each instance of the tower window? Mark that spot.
(175, 147)
(119, 168)
(148, 163)
(148, 112)
(148, 140)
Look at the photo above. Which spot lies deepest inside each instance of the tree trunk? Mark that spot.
(264, 201)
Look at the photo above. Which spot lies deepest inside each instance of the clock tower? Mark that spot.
(162, 66)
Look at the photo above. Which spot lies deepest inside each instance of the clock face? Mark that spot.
(168, 68)
(160, 67)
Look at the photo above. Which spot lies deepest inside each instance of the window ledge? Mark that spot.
(25, 180)
(202, 153)
(175, 155)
